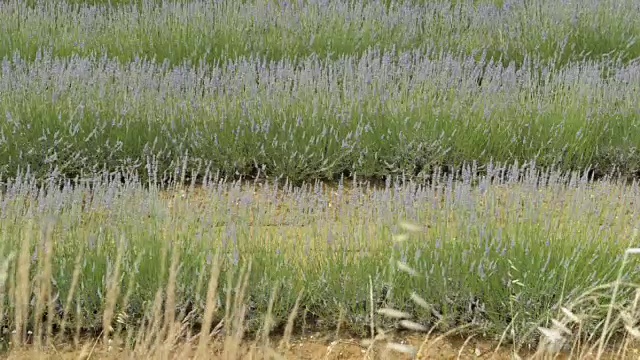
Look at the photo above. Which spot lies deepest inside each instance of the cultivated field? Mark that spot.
(198, 178)
(319, 89)
(493, 255)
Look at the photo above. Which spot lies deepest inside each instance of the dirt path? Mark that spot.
(317, 347)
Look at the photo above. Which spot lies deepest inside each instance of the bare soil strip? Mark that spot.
(318, 346)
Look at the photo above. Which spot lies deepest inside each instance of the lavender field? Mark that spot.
(470, 165)
(505, 253)
(300, 91)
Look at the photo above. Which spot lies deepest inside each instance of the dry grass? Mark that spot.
(166, 335)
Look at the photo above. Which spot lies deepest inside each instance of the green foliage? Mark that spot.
(536, 246)
(215, 32)
(361, 116)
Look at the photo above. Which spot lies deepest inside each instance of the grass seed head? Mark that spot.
(410, 227)
(411, 325)
(634, 332)
(406, 268)
(393, 313)
(560, 326)
(553, 340)
(420, 301)
(570, 315)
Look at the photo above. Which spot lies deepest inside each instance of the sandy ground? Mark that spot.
(318, 347)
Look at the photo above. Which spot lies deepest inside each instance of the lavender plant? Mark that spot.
(214, 31)
(555, 234)
(376, 115)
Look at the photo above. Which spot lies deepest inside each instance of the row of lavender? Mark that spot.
(195, 30)
(373, 115)
(302, 91)
(492, 253)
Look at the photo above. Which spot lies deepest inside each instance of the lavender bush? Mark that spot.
(554, 31)
(376, 115)
(299, 90)
(562, 234)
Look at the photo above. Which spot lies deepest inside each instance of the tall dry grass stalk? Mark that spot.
(605, 331)
(22, 287)
(77, 269)
(566, 331)
(285, 343)
(235, 332)
(170, 329)
(113, 292)
(43, 289)
(210, 308)
(263, 339)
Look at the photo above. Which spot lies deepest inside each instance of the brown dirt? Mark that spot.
(312, 348)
